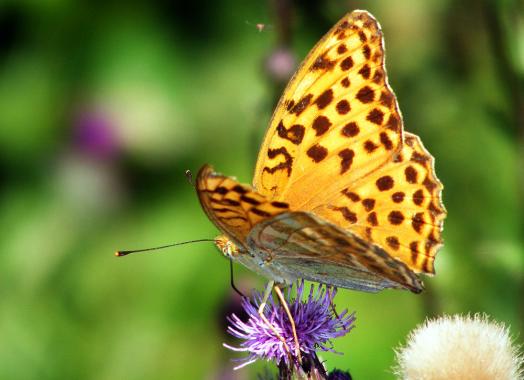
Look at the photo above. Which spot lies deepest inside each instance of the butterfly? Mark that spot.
(341, 194)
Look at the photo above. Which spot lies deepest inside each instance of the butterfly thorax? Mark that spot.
(226, 246)
(256, 261)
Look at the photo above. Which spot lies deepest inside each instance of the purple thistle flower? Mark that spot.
(315, 321)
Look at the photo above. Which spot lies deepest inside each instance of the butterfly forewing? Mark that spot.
(233, 207)
(337, 120)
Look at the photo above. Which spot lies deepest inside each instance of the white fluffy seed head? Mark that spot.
(459, 348)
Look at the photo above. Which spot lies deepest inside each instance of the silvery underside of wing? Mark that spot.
(299, 245)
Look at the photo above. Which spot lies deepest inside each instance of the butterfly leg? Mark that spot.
(291, 320)
(267, 293)
(331, 304)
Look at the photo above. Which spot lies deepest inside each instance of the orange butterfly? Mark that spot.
(341, 194)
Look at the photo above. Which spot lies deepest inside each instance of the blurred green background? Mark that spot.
(105, 104)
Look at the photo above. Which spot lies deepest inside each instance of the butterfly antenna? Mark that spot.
(189, 177)
(125, 253)
(232, 279)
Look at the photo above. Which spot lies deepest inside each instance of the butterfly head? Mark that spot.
(226, 246)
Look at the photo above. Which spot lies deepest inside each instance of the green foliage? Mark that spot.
(179, 86)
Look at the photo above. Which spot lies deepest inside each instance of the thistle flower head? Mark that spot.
(316, 324)
(459, 348)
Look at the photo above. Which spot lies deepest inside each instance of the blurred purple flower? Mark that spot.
(280, 64)
(94, 134)
(316, 324)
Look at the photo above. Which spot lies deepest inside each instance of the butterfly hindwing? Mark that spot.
(308, 247)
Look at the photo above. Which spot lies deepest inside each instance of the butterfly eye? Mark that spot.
(227, 250)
